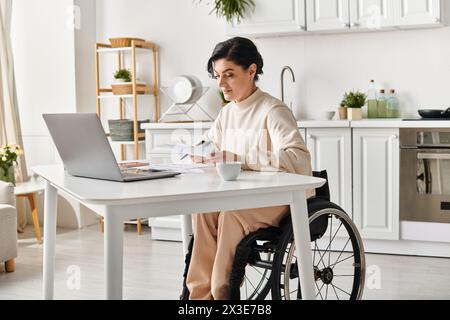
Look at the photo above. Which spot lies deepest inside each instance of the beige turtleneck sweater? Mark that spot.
(263, 132)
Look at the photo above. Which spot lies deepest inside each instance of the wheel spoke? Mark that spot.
(262, 274)
(342, 251)
(250, 283)
(341, 290)
(335, 292)
(319, 290)
(321, 256)
(330, 243)
(293, 291)
(334, 264)
(326, 293)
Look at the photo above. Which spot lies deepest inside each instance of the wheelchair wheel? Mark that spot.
(251, 275)
(256, 284)
(338, 259)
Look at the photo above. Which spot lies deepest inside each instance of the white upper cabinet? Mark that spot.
(272, 18)
(327, 15)
(372, 14)
(419, 12)
(331, 150)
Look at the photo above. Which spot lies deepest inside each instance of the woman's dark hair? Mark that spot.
(241, 51)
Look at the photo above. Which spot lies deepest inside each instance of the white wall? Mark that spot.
(415, 62)
(55, 67)
(46, 64)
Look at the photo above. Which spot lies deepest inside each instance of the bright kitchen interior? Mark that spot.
(389, 170)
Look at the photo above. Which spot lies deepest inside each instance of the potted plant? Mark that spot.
(354, 100)
(122, 75)
(232, 9)
(8, 158)
(122, 83)
(342, 111)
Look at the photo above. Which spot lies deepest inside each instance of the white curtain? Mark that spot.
(10, 132)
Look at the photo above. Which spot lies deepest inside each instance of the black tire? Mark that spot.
(286, 284)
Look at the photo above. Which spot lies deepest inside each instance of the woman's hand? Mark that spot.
(223, 156)
(217, 157)
(197, 159)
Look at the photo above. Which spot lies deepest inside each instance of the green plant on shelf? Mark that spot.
(123, 74)
(354, 99)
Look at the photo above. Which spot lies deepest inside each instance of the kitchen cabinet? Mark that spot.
(326, 15)
(372, 14)
(419, 12)
(331, 150)
(301, 17)
(353, 15)
(272, 18)
(376, 182)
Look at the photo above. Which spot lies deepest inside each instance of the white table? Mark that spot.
(181, 195)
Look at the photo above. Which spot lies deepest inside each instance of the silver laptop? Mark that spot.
(85, 150)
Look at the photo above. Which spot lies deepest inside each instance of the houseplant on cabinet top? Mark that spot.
(232, 9)
(354, 100)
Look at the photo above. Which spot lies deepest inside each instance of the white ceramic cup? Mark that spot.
(329, 115)
(228, 171)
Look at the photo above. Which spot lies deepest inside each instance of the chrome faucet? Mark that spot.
(282, 80)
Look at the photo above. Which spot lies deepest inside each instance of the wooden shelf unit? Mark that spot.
(141, 47)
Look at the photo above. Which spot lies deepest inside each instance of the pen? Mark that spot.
(184, 156)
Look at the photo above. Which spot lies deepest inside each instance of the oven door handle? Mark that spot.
(433, 156)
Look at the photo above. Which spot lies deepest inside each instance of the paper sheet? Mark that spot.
(180, 167)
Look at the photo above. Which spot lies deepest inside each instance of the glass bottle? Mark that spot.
(372, 109)
(392, 105)
(381, 104)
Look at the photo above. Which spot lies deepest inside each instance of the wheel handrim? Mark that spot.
(329, 277)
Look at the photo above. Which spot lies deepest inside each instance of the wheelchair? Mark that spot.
(265, 264)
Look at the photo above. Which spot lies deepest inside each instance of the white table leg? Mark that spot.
(186, 232)
(300, 224)
(113, 256)
(50, 206)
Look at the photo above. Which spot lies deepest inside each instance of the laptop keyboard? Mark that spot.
(137, 173)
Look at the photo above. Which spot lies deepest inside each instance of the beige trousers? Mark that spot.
(217, 235)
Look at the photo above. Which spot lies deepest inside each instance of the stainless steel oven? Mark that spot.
(425, 175)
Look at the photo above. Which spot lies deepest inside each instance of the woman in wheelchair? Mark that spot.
(250, 253)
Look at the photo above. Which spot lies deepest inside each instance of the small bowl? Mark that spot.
(228, 171)
(329, 115)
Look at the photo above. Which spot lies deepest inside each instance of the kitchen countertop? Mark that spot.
(365, 123)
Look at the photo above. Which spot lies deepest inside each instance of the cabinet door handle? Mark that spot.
(433, 156)
(346, 25)
(436, 20)
(309, 136)
(394, 136)
(302, 28)
(355, 25)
